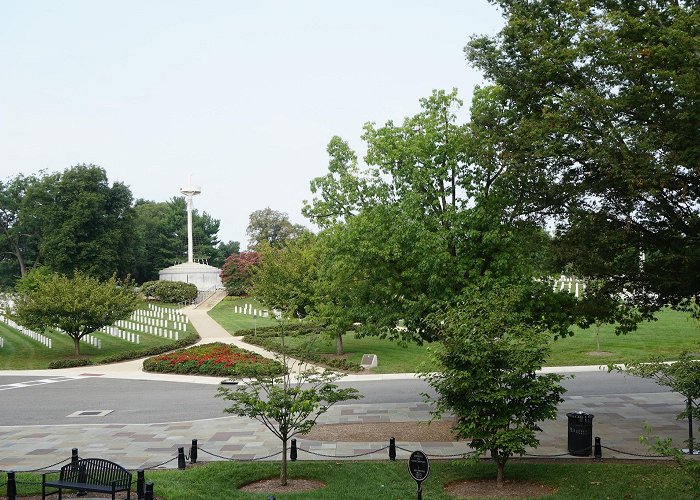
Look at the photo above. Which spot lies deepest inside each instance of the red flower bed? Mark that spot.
(213, 359)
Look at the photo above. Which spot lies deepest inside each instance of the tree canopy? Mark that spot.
(603, 105)
(78, 220)
(77, 305)
(272, 227)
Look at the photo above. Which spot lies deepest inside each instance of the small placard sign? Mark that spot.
(369, 361)
(418, 466)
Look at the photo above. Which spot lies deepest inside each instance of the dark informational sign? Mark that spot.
(418, 466)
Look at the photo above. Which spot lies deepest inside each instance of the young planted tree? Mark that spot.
(491, 348)
(287, 405)
(77, 306)
(682, 376)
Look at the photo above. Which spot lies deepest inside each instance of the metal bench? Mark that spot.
(90, 474)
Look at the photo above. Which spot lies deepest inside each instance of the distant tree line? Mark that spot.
(76, 220)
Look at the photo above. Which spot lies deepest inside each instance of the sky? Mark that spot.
(242, 96)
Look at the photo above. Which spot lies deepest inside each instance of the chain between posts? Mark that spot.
(47, 468)
(232, 459)
(343, 456)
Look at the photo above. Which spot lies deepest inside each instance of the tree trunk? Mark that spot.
(20, 261)
(500, 465)
(283, 469)
(339, 343)
(76, 345)
(597, 336)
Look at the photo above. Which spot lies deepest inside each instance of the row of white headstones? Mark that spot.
(571, 285)
(161, 321)
(248, 309)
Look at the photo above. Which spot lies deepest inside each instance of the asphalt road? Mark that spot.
(50, 400)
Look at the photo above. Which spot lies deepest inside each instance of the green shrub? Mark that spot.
(153, 351)
(69, 363)
(267, 342)
(171, 292)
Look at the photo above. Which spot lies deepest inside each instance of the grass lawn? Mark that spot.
(667, 337)
(390, 480)
(223, 313)
(22, 353)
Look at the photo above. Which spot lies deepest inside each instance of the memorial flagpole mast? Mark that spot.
(189, 192)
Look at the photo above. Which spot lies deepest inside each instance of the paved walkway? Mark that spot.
(618, 421)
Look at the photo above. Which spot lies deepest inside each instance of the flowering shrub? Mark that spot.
(213, 359)
(237, 272)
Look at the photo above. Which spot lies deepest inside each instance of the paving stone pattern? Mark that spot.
(617, 420)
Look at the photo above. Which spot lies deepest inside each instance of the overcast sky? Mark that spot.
(243, 96)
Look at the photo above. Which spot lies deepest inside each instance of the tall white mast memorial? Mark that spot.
(205, 277)
(189, 192)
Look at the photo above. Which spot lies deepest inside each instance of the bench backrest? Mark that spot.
(96, 471)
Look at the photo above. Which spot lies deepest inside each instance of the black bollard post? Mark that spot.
(690, 427)
(392, 449)
(140, 484)
(149, 491)
(74, 456)
(293, 451)
(181, 458)
(193, 452)
(598, 449)
(11, 486)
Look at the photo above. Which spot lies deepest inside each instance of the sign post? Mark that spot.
(419, 469)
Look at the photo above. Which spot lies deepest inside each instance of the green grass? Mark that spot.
(223, 313)
(390, 480)
(667, 337)
(23, 353)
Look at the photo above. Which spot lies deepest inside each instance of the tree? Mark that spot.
(285, 406)
(237, 272)
(77, 306)
(603, 105)
(433, 211)
(273, 227)
(286, 278)
(492, 345)
(681, 376)
(224, 250)
(16, 238)
(85, 224)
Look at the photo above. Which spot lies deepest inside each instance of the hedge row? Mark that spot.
(266, 338)
(171, 292)
(186, 341)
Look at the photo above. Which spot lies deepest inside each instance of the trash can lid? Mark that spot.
(579, 414)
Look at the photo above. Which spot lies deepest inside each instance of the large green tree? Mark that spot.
(286, 278)
(272, 227)
(603, 101)
(18, 240)
(430, 213)
(84, 223)
(78, 305)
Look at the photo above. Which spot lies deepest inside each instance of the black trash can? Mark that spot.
(580, 434)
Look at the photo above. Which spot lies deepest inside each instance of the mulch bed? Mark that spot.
(433, 432)
(273, 486)
(486, 488)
